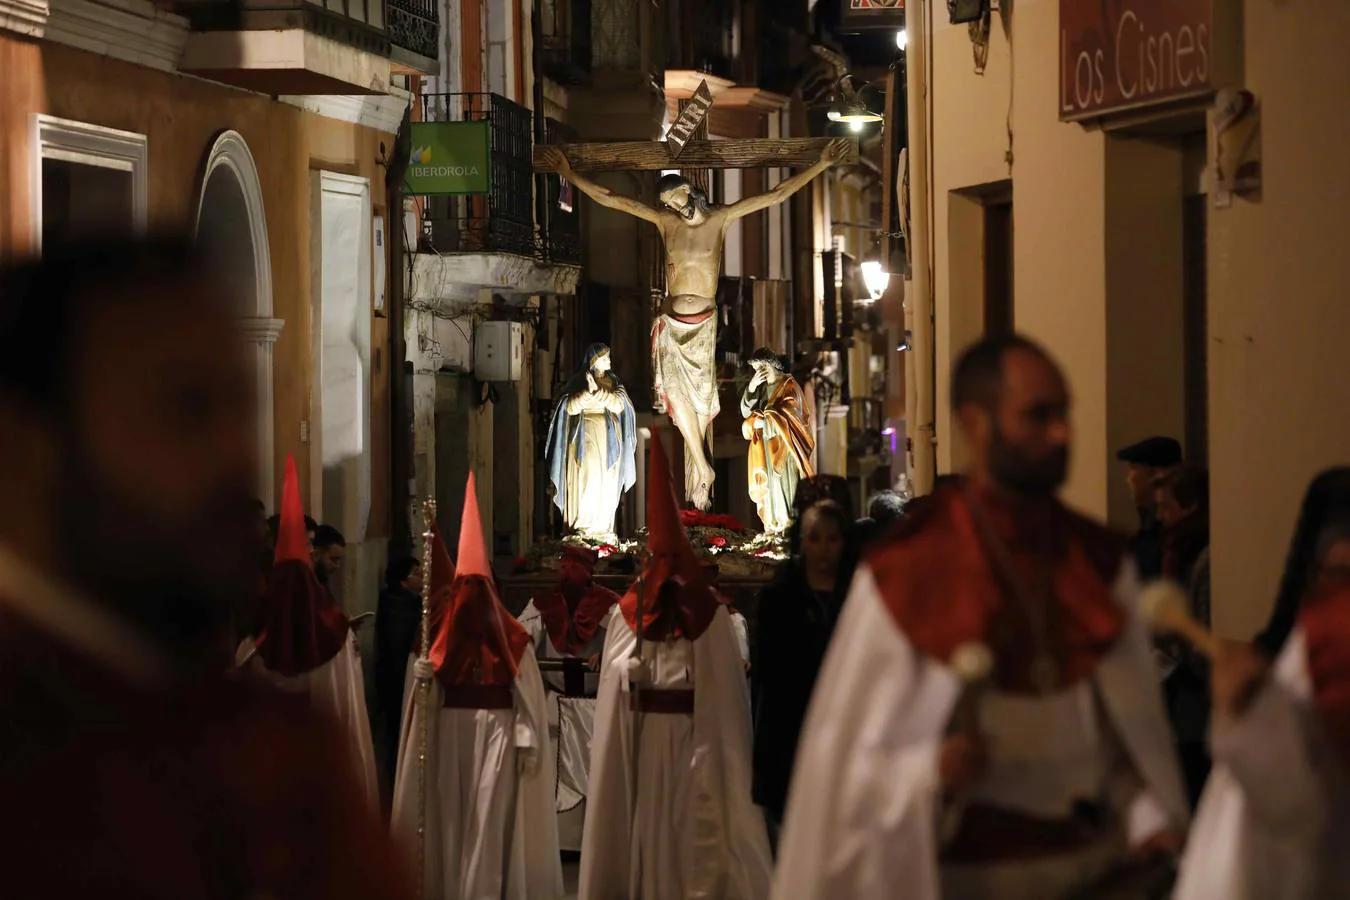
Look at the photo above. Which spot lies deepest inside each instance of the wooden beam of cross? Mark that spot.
(686, 147)
(653, 156)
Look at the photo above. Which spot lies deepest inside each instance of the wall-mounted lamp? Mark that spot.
(901, 40)
(905, 343)
(875, 276)
(850, 106)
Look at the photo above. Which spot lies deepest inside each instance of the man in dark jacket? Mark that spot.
(1183, 512)
(1145, 462)
(398, 619)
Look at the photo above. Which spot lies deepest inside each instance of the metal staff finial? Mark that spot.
(424, 692)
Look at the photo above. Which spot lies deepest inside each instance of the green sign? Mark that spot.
(449, 158)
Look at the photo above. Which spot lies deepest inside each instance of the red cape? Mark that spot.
(302, 628)
(677, 600)
(1325, 621)
(573, 612)
(479, 642)
(940, 587)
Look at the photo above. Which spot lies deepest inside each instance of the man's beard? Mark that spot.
(1023, 474)
(177, 583)
(694, 205)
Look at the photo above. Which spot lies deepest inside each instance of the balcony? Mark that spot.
(346, 47)
(414, 34)
(494, 241)
(566, 46)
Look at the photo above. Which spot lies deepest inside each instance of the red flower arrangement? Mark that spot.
(605, 550)
(717, 541)
(692, 518)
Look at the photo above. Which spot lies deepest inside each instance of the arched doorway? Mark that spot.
(232, 227)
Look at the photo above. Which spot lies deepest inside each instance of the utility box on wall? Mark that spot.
(498, 348)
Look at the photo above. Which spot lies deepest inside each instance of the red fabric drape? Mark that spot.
(936, 579)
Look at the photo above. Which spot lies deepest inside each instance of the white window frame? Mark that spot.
(90, 145)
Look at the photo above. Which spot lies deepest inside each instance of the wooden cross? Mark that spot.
(683, 149)
(653, 156)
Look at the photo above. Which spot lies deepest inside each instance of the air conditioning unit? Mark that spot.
(498, 350)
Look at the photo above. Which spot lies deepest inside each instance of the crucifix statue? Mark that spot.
(684, 335)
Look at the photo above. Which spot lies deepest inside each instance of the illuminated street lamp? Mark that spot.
(849, 107)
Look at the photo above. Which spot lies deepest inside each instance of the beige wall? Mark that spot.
(1279, 320)
(1097, 261)
(970, 140)
(181, 118)
(1059, 256)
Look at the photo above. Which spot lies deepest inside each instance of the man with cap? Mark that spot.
(987, 722)
(304, 644)
(475, 804)
(677, 820)
(1145, 462)
(1273, 820)
(567, 622)
(132, 766)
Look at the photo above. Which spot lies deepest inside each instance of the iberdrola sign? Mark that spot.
(449, 158)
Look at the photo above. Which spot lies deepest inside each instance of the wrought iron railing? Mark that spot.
(503, 220)
(560, 232)
(414, 25)
(566, 46)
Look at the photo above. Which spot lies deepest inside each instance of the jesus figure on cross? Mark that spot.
(684, 335)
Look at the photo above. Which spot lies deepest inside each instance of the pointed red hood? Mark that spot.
(574, 609)
(676, 597)
(292, 538)
(478, 641)
(302, 628)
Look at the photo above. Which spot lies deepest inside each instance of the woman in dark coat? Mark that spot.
(796, 617)
(1327, 500)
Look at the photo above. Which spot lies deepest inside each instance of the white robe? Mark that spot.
(338, 689)
(696, 832)
(1274, 821)
(570, 725)
(491, 833)
(865, 804)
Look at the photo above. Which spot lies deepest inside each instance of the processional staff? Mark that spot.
(424, 693)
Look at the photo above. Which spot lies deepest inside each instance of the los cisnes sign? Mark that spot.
(1126, 54)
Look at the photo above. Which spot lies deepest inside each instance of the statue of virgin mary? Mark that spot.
(592, 447)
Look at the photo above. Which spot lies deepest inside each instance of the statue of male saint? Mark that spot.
(592, 447)
(778, 424)
(684, 335)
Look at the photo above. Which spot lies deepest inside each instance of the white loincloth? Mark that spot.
(684, 368)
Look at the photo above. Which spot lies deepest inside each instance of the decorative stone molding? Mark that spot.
(259, 330)
(231, 152)
(25, 17)
(230, 157)
(383, 113)
(134, 31)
